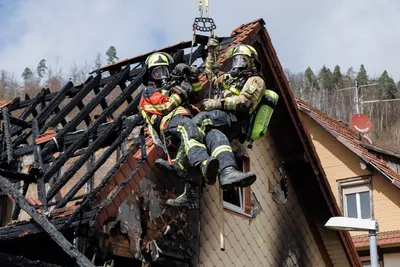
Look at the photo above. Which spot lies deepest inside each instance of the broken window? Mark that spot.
(239, 199)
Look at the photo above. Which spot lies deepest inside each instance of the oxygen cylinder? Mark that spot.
(264, 114)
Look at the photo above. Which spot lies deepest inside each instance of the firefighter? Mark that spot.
(163, 106)
(239, 95)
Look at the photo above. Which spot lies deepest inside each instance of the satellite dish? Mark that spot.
(361, 123)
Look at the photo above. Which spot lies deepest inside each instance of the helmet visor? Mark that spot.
(239, 61)
(160, 72)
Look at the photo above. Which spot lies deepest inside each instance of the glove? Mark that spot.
(211, 104)
(212, 43)
(181, 69)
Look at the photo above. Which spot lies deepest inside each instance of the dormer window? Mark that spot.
(356, 196)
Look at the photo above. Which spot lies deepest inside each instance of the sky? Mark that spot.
(304, 33)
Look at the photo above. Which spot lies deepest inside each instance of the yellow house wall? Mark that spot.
(339, 162)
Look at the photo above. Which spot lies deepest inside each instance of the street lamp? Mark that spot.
(353, 224)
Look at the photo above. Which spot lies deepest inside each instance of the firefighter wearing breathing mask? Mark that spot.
(165, 109)
(243, 106)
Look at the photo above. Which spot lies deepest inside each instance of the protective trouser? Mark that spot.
(183, 128)
(219, 147)
(226, 122)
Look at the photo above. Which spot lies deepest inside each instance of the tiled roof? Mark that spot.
(351, 139)
(384, 239)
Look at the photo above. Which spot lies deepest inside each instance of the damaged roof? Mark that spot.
(351, 139)
(127, 174)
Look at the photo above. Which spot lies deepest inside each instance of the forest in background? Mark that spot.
(334, 92)
(322, 89)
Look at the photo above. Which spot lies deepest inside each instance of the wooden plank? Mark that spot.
(81, 260)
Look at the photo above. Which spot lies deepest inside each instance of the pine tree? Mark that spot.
(311, 79)
(387, 87)
(326, 79)
(362, 77)
(27, 74)
(41, 68)
(337, 78)
(111, 55)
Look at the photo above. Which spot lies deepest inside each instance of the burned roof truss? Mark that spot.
(53, 128)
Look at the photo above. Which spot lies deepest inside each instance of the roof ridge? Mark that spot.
(349, 135)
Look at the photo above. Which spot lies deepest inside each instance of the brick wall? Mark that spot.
(278, 236)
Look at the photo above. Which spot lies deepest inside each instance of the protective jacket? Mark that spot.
(242, 94)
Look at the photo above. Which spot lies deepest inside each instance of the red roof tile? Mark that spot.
(350, 138)
(383, 239)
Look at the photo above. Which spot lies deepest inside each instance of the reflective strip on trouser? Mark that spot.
(189, 134)
(220, 120)
(219, 146)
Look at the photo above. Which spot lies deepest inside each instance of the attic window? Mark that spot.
(356, 198)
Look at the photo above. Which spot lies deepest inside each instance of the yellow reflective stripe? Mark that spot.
(204, 123)
(174, 99)
(234, 90)
(192, 143)
(220, 149)
(182, 130)
(188, 144)
(180, 164)
(178, 111)
(196, 86)
(230, 103)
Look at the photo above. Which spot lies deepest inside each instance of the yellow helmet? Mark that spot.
(159, 59)
(244, 57)
(242, 49)
(157, 68)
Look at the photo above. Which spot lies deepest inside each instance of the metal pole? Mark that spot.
(373, 251)
(357, 99)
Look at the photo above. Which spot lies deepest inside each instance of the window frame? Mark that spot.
(245, 199)
(355, 185)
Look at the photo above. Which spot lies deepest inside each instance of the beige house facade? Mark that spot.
(364, 180)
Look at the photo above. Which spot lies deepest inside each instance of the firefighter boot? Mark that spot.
(187, 200)
(230, 177)
(179, 163)
(209, 169)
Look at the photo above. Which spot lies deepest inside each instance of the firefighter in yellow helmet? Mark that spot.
(239, 95)
(165, 109)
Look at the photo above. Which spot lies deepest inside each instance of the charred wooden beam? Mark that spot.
(103, 102)
(17, 176)
(90, 197)
(90, 165)
(81, 106)
(86, 110)
(98, 164)
(71, 105)
(114, 105)
(14, 231)
(38, 164)
(53, 104)
(81, 260)
(14, 260)
(17, 208)
(79, 163)
(7, 134)
(31, 109)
